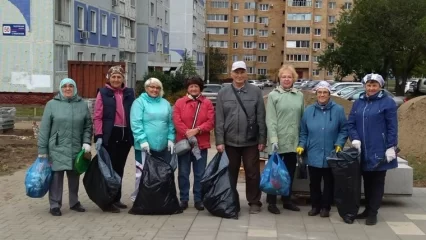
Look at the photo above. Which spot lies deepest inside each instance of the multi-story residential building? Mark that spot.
(187, 32)
(308, 32)
(153, 25)
(248, 30)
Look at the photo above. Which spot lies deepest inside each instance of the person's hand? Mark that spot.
(98, 144)
(261, 147)
(171, 146)
(192, 132)
(390, 154)
(86, 147)
(145, 147)
(338, 149)
(42, 156)
(274, 147)
(357, 144)
(220, 148)
(299, 150)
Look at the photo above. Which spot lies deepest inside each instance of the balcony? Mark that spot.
(299, 3)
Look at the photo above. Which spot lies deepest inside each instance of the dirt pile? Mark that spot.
(18, 149)
(412, 128)
(311, 98)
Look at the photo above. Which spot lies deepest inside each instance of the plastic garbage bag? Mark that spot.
(174, 161)
(219, 197)
(157, 190)
(38, 178)
(275, 178)
(101, 182)
(302, 168)
(346, 169)
(81, 163)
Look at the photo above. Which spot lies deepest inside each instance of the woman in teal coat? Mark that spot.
(66, 129)
(323, 129)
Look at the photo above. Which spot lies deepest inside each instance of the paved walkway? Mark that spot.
(24, 218)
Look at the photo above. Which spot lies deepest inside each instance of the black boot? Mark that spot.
(55, 212)
(199, 206)
(183, 205)
(325, 213)
(78, 207)
(120, 205)
(272, 208)
(362, 215)
(291, 206)
(314, 212)
(371, 220)
(112, 209)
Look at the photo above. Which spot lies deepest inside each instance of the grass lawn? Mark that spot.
(27, 111)
(419, 171)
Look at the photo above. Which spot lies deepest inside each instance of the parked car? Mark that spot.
(256, 83)
(340, 85)
(346, 90)
(297, 85)
(210, 91)
(354, 95)
(226, 84)
(269, 83)
(310, 85)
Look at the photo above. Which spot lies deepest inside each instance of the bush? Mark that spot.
(172, 98)
(171, 83)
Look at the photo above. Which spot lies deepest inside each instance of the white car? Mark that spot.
(346, 90)
(340, 85)
(257, 83)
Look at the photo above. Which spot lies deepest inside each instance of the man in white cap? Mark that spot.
(241, 131)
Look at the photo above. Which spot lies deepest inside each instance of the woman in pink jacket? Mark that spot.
(112, 124)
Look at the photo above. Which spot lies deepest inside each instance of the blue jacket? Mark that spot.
(373, 121)
(322, 128)
(151, 121)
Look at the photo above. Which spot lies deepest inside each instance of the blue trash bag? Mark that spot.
(275, 178)
(38, 177)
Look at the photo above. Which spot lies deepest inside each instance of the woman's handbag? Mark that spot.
(183, 146)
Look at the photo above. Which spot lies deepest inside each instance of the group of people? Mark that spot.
(243, 126)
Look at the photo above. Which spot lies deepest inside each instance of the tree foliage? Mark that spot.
(188, 68)
(217, 62)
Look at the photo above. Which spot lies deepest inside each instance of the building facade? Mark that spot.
(187, 32)
(248, 30)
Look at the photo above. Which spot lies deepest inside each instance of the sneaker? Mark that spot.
(254, 209)
(363, 215)
(199, 206)
(55, 212)
(78, 207)
(371, 220)
(324, 213)
(112, 209)
(314, 212)
(291, 207)
(183, 205)
(120, 205)
(272, 208)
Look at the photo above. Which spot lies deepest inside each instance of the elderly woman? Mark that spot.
(373, 129)
(66, 129)
(192, 125)
(284, 111)
(112, 124)
(323, 129)
(152, 126)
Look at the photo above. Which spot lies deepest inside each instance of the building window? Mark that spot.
(299, 16)
(263, 46)
(249, 45)
(297, 44)
(61, 53)
(317, 18)
(249, 18)
(151, 37)
(133, 3)
(249, 58)
(104, 20)
(249, 5)
(263, 33)
(297, 58)
(132, 29)
(235, 19)
(331, 19)
(317, 45)
(235, 32)
(300, 3)
(263, 20)
(317, 32)
(315, 58)
(249, 32)
(219, 44)
(332, 5)
(347, 5)
(93, 20)
(318, 4)
(217, 30)
(298, 30)
(166, 17)
(62, 11)
(315, 72)
(263, 7)
(217, 17)
(166, 41)
(250, 70)
(331, 46)
(331, 33)
(113, 58)
(262, 71)
(80, 56)
(329, 73)
(219, 4)
(114, 27)
(122, 27)
(93, 57)
(103, 57)
(152, 8)
(235, 45)
(234, 58)
(235, 6)
(262, 59)
(80, 18)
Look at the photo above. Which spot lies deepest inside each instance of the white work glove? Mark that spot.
(86, 147)
(274, 147)
(390, 154)
(42, 156)
(171, 146)
(145, 147)
(357, 144)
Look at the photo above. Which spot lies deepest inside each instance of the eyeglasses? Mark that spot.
(154, 87)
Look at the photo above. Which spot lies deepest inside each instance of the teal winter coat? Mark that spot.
(322, 129)
(151, 121)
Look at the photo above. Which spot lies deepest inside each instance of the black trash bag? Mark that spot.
(302, 168)
(346, 169)
(157, 189)
(219, 197)
(101, 182)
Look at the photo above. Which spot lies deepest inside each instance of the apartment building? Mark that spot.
(248, 30)
(187, 32)
(308, 32)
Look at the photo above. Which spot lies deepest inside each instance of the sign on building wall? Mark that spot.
(13, 29)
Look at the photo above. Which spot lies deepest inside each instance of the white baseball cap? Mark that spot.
(239, 64)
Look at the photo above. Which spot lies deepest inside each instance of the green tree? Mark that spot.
(216, 63)
(188, 68)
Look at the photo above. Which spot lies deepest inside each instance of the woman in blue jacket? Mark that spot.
(152, 126)
(373, 129)
(323, 129)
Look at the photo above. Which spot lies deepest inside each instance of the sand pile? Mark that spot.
(412, 128)
(311, 98)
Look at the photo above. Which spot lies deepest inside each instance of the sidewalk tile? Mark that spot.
(405, 228)
(416, 216)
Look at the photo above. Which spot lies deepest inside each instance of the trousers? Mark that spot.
(57, 187)
(374, 188)
(324, 198)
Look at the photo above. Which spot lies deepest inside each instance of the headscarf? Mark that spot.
(373, 77)
(114, 70)
(323, 85)
(68, 81)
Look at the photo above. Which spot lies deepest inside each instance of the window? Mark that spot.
(263, 33)
(299, 16)
(80, 18)
(261, 71)
(263, 20)
(249, 5)
(317, 32)
(249, 58)
(103, 57)
(297, 58)
(262, 59)
(152, 8)
(166, 17)
(133, 3)
(329, 73)
(263, 7)
(235, 45)
(80, 56)
(235, 6)
(61, 53)
(122, 27)
(166, 41)
(235, 32)
(297, 44)
(300, 3)
(250, 70)
(332, 5)
(263, 46)
(331, 19)
(219, 4)
(317, 45)
(104, 21)
(62, 11)
(114, 27)
(93, 57)
(331, 45)
(315, 58)
(317, 18)
(234, 58)
(330, 33)
(249, 44)
(132, 29)
(298, 30)
(113, 58)
(318, 4)
(250, 18)
(347, 5)
(93, 20)
(235, 19)
(219, 44)
(217, 30)
(151, 37)
(315, 72)
(217, 17)
(249, 32)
